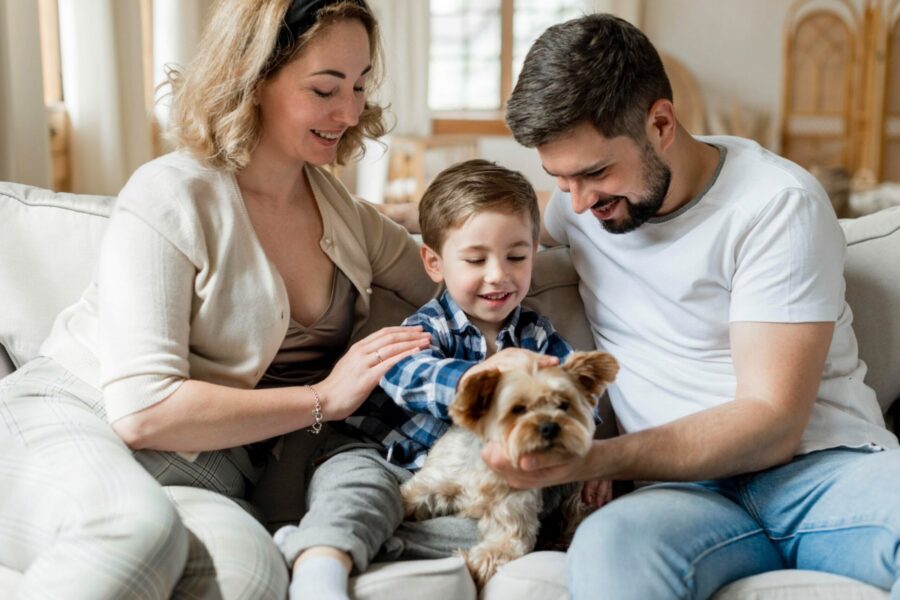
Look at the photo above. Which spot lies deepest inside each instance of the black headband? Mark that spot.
(300, 16)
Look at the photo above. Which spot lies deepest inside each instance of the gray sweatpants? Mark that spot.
(354, 505)
(81, 516)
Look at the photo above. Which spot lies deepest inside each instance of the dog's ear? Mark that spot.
(473, 400)
(592, 370)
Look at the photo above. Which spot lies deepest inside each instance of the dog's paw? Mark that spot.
(422, 501)
(483, 563)
(414, 507)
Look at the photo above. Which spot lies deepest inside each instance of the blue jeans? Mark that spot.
(834, 510)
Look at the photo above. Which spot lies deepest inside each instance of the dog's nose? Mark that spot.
(549, 431)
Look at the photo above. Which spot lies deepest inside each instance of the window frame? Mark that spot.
(485, 122)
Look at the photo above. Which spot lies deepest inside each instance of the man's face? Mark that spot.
(623, 183)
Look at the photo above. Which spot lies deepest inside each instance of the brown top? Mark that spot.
(308, 353)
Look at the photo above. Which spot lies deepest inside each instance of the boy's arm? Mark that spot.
(548, 341)
(426, 381)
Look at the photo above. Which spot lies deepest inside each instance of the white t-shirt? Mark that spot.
(761, 243)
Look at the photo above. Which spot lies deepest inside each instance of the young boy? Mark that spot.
(480, 225)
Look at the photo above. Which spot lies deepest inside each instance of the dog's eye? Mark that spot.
(518, 409)
(564, 406)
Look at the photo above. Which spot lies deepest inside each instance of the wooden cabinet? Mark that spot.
(415, 161)
(841, 105)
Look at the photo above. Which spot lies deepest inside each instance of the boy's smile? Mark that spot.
(486, 265)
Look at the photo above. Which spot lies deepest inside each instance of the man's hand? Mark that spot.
(533, 470)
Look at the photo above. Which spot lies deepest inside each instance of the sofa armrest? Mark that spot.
(872, 272)
(49, 247)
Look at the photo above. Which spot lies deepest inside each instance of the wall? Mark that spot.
(733, 47)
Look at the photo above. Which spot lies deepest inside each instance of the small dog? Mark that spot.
(550, 411)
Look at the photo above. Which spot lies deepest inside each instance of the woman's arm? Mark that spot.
(394, 255)
(201, 416)
(147, 305)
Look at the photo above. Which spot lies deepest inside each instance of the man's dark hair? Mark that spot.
(598, 69)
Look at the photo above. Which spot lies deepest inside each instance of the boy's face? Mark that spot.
(486, 265)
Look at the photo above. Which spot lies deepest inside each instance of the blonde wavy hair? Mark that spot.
(213, 115)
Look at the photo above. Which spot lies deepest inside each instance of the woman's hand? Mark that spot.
(361, 368)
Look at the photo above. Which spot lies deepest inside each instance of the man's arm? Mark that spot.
(778, 368)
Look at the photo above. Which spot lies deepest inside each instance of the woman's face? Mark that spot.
(309, 103)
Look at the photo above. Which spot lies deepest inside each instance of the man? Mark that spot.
(713, 270)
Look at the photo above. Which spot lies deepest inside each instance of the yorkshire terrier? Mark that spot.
(550, 411)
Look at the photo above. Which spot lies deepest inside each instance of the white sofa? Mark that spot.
(48, 243)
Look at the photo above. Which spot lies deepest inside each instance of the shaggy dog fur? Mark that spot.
(549, 411)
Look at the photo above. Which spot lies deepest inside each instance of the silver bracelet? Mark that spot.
(316, 412)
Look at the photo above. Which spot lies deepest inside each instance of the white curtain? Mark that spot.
(24, 136)
(103, 85)
(404, 33)
(177, 28)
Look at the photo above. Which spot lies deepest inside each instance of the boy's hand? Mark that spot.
(597, 492)
(511, 359)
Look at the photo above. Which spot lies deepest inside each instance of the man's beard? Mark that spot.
(657, 176)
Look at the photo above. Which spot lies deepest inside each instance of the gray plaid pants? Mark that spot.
(81, 516)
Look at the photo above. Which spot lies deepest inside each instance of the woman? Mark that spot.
(229, 268)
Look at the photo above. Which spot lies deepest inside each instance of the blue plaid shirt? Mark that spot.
(410, 413)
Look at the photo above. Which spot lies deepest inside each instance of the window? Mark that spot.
(477, 48)
(55, 94)
(57, 117)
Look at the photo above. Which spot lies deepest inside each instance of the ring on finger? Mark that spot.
(377, 356)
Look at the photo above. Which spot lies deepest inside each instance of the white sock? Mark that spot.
(319, 578)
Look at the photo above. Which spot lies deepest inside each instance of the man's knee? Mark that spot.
(601, 538)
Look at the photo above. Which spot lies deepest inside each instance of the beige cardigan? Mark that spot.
(184, 288)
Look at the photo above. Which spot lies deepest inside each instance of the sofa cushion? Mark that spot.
(799, 585)
(554, 293)
(872, 272)
(414, 580)
(49, 245)
(537, 576)
(6, 364)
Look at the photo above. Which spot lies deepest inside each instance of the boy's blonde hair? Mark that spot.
(214, 116)
(469, 188)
